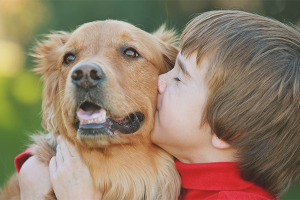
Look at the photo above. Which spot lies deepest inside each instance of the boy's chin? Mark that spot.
(158, 140)
(155, 137)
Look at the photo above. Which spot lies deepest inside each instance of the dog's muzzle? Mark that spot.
(92, 116)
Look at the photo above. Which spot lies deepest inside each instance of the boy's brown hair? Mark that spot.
(254, 84)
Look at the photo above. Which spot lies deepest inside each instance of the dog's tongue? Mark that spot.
(90, 114)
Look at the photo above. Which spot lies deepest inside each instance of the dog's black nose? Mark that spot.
(87, 75)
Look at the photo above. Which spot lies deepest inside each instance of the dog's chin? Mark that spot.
(97, 135)
(94, 129)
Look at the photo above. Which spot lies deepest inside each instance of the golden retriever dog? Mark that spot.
(100, 89)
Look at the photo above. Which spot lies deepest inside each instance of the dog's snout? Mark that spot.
(87, 75)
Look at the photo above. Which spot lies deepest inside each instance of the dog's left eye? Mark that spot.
(132, 53)
(69, 58)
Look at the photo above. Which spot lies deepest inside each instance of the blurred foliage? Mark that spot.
(24, 21)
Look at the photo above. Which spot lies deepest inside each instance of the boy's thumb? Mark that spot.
(52, 166)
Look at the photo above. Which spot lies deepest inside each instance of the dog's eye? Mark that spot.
(132, 53)
(69, 58)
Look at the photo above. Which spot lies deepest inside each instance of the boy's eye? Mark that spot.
(176, 79)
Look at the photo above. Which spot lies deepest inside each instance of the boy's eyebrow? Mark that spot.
(183, 67)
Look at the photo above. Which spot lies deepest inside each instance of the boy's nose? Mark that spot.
(161, 84)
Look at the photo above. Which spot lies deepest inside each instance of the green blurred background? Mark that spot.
(24, 21)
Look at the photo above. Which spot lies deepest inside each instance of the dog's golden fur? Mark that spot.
(123, 166)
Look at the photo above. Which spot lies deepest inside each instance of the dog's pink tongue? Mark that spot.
(89, 114)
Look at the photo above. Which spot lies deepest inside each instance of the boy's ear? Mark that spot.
(218, 143)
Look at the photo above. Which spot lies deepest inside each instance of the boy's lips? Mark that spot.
(157, 109)
(158, 104)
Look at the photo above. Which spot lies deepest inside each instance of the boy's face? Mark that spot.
(182, 96)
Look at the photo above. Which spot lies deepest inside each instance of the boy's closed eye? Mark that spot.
(182, 66)
(177, 79)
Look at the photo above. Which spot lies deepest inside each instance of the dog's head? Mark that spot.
(101, 81)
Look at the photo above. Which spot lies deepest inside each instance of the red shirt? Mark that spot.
(21, 158)
(217, 181)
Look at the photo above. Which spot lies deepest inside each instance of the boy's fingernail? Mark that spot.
(59, 138)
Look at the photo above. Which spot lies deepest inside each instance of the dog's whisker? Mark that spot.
(61, 98)
(136, 106)
(121, 144)
(123, 107)
(63, 90)
(125, 110)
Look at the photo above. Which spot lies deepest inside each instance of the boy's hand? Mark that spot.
(70, 176)
(34, 180)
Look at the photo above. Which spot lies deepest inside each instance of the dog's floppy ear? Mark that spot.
(168, 42)
(47, 54)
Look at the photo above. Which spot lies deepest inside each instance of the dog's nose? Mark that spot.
(87, 75)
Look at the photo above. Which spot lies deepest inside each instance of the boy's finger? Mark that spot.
(64, 149)
(73, 151)
(52, 166)
(59, 156)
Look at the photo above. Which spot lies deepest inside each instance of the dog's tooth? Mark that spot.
(97, 119)
(103, 114)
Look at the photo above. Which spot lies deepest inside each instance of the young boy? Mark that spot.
(228, 111)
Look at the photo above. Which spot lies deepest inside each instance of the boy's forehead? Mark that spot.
(191, 66)
(193, 58)
(182, 62)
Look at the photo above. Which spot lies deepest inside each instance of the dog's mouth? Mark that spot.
(94, 120)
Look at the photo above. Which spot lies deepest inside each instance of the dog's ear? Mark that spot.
(168, 42)
(47, 54)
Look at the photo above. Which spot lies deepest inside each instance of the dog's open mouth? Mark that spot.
(93, 120)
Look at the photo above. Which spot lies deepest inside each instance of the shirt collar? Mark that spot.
(212, 176)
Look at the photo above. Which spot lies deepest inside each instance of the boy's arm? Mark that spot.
(34, 178)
